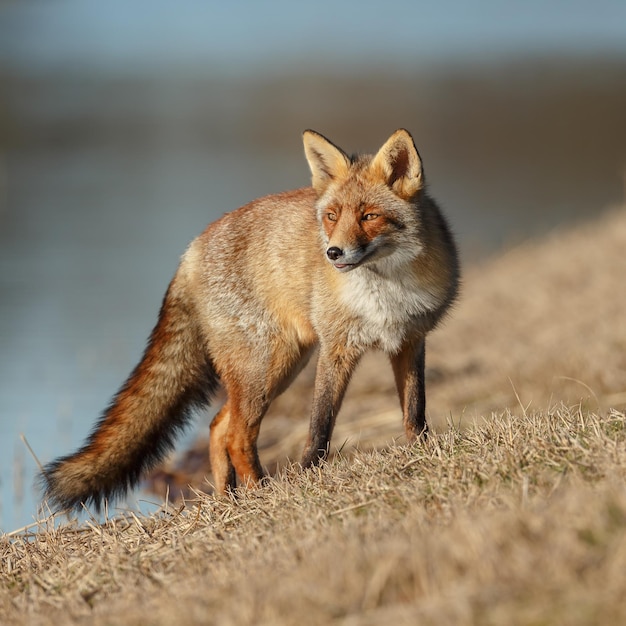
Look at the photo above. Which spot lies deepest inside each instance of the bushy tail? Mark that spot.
(174, 376)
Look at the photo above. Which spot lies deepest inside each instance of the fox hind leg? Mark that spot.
(233, 444)
(236, 429)
(241, 441)
(221, 465)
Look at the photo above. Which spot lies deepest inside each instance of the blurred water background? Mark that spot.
(127, 126)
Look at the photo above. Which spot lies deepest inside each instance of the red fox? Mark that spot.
(361, 259)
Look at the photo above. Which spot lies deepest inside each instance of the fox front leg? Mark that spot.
(334, 370)
(408, 368)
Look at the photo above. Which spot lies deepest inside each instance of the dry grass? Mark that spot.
(520, 521)
(520, 518)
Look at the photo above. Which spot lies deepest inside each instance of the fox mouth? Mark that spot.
(345, 267)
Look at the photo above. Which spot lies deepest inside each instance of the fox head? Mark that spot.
(368, 206)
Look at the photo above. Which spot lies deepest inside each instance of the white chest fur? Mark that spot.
(386, 307)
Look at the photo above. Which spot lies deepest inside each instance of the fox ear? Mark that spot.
(326, 160)
(398, 163)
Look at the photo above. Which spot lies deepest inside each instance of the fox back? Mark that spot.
(362, 259)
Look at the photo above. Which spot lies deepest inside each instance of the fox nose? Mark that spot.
(333, 253)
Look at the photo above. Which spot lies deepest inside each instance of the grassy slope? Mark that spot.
(519, 519)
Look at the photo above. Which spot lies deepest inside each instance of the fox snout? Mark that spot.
(346, 260)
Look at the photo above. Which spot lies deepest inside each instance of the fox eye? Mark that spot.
(369, 216)
(331, 217)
